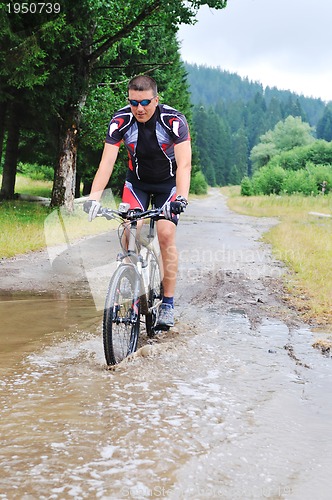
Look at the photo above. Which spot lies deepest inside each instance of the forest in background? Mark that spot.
(230, 114)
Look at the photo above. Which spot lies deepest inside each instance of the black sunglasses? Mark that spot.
(144, 102)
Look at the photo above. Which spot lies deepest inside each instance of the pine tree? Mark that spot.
(324, 125)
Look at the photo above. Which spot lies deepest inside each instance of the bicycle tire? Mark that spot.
(155, 295)
(121, 321)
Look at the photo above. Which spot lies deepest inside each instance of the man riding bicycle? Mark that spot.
(158, 142)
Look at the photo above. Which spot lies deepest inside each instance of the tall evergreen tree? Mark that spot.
(274, 111)
(256, 119)
(239, 157)
(324, 125)
(204, 128)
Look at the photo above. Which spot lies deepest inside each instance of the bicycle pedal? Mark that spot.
(160, 328)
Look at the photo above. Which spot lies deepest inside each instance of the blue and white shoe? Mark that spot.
(165, 317)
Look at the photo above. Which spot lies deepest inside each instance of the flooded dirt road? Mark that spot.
(233, 403)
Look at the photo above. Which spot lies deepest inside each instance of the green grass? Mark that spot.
(25, 185)
(28, 226)
(303, 241)
(21, 227)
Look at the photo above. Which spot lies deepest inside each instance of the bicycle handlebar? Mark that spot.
(130, 214)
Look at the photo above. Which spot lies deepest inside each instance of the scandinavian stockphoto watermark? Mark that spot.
(197, 263)
(72, 250)
(218, 491)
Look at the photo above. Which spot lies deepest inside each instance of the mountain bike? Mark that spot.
(135, 288)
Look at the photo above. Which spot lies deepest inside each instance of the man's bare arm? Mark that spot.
(182, 153)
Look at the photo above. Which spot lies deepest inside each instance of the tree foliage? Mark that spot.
(302, 169)
(317, 153)
(286, 135)
(48, 65)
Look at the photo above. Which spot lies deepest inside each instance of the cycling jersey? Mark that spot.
(150, 145)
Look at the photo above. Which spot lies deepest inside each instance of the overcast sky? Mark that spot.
(282, 43)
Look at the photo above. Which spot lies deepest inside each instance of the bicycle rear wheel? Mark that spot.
(154, 297)
(121, 321)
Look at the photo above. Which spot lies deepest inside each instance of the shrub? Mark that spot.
(246, 187)
(36, 172)
(275, 180)
(198, 183)
(268, 180)
(299, 181)
(320, 152)
(321, 173)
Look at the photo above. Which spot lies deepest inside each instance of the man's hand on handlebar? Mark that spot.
(91, 207)
(174, 207)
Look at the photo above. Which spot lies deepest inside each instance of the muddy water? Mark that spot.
(216, 409)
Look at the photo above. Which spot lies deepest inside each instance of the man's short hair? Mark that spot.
(143, 82)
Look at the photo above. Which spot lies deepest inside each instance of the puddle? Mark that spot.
(217, 413)
(28, 321)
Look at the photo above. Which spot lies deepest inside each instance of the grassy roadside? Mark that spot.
(301, 240)
(27, 226)
(25, 185)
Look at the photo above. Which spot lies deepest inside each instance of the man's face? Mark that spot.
(143, 113)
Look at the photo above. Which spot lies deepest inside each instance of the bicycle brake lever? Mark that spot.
(104, 212)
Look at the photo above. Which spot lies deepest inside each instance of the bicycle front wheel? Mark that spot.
(121, 321)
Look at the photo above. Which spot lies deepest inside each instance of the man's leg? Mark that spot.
(166, 234)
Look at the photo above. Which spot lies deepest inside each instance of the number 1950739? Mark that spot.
(34, 8)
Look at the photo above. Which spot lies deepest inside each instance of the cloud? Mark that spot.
(285, 43)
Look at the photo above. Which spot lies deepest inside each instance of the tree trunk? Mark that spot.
(87, 185)
(9, 169)
(3, 109)
(64, 186)
(78, 186)
(63, 192)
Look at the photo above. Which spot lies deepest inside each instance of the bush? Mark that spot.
(198, 183)
(299, 181)
(320, 152)
(276, 180)
(246, 187)
(36, 172)
(322, 173)
(268, 180)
